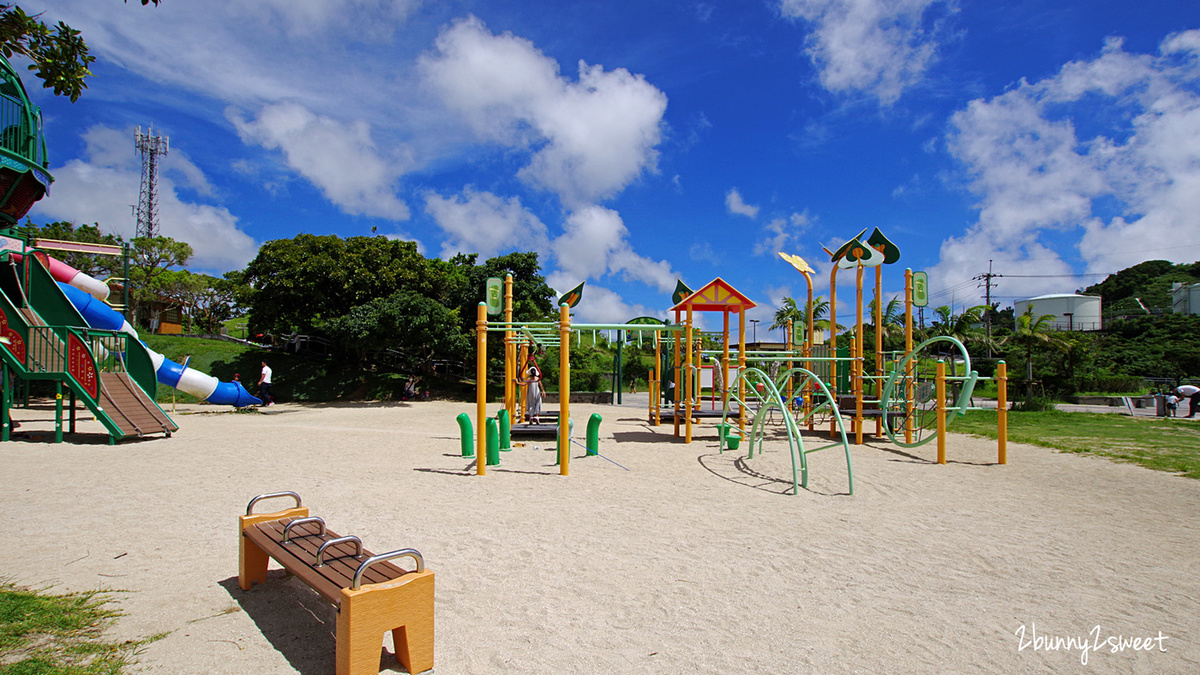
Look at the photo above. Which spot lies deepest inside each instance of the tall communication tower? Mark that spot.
(151, 147)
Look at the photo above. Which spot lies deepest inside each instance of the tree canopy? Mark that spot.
(59, 54)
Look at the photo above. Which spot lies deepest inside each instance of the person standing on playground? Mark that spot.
(264, 385)
(533, 393)
(1192, 392)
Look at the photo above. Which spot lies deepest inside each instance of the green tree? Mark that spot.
(98, 266)
(787, 315)
(301, 284)
(419, 326)
(151, 279)
(59, 54)
(1031, 332)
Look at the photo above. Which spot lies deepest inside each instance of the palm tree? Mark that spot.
(789, 311)
(787, 314)
(962, 327)
(1029, 332)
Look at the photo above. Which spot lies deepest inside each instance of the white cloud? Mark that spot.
(594, 244)
(589, 138)
(483, 223)
(341, 159)
(879, 47)
(1128, 191)
(735, 205)
(103, 187)
(779, 233)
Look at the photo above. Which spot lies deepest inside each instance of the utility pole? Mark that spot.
(987, 314)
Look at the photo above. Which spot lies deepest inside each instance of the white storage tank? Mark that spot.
(1070, 311)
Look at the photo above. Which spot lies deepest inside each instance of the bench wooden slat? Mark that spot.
(300, 554)
(340, 566)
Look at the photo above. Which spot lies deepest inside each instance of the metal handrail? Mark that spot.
(302, 521)
(402, 553)
(335, 542)
(272, 495)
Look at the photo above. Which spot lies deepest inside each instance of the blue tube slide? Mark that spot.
(206, 387)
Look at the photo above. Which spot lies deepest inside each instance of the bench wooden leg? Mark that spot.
(252, 560)
(403, 606)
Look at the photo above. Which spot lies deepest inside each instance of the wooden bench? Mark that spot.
(372, 595)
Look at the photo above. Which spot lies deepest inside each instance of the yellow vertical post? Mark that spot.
(833, 365)
(741, 365)
(655, 394)
(857, 368)
(790, 338)
(879, 345)
(909, 384)
(808, 347)
(522, 392)
(675, 392)
(481, 389)
(688, 387)
(1002, 412)
(941, 411)
(725, 357)
(510, 351)
(564, 389)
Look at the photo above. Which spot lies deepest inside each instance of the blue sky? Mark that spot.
(634, 143)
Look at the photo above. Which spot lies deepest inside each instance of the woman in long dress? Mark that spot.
(533, 391)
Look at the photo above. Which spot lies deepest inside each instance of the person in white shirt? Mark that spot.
(264, 385)
(1192, 393)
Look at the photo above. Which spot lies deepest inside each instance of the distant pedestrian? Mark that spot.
(1192, 392)
(1172, 404)
(264, 385)
(633, 385)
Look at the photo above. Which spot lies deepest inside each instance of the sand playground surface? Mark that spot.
(658, 557)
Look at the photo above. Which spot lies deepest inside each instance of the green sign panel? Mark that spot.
(799, 333)
(494, 295)
(920, 289)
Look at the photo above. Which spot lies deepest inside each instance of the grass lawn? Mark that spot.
(1155, 443)
(46, 634)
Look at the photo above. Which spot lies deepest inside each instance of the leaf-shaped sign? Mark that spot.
(841, 251)
(891, 253)
(681, 292)
(572, 297)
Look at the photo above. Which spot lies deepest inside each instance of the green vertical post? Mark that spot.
(468, 435)
(5, 402)
(493, 443)
(505, 430)
(58, 411)
(71, 428)
(620, 373)
(593, 434)
(125, 284)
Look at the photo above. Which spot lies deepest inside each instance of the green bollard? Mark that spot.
(505, 430)
(468, 435)
(593, 434)
(493, 443)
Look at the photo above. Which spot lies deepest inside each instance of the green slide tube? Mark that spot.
(468, 435)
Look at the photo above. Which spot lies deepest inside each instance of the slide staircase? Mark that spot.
(109, 371)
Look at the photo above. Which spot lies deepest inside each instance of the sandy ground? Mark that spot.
(659, 557)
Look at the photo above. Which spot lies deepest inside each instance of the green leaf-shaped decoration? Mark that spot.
(891, 252)
(844, 248)
(681, 292)
(572, 297)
